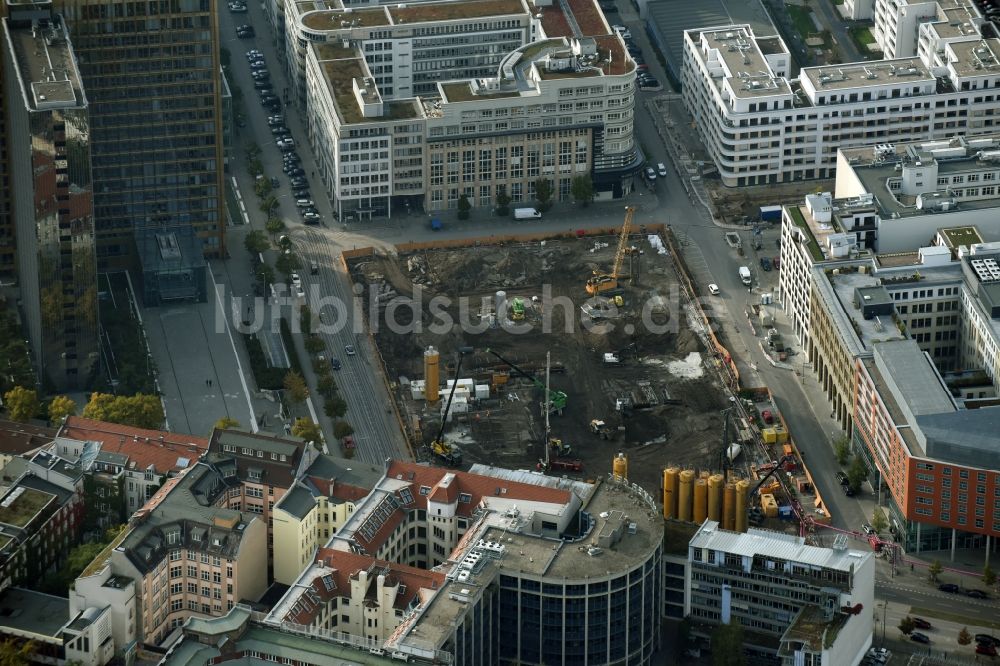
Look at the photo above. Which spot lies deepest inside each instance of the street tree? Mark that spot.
(326, 386)
(335, 407)
(274, 225)
(503, 202)
(856, 474)
(295, 386)
(964, 637)
(288, 263)
(305, 318)
(308, 431)
(314, 344)
(727, 645)
(16, 653)
(543, 193)
(583, 190)
(139, 410)
(464, 207)
(61, 407)
(907, 625)
(989, 576)
(226, 422)
(842, 449)
(265, 273)
(256, 241)
(22, 403)
(262, 187)
(934, 570)
(879, 522)
(268, 204)
(342, 429)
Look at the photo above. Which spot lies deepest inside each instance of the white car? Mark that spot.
(650, 173)
(300, 292)
(623, 31)
(296, 280)
(713, 289)
(661, 168)
(349, 349)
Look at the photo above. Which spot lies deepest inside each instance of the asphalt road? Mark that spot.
(830, 17)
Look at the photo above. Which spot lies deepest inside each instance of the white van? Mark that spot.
(526, 214)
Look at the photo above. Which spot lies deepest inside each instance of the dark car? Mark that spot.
(765, 263)
(335, 363)
(296, 172)
(262, 85)
(988, 649)
(919, 637)
(278, 129)
(921, 623)
(301, 192)
(292, 157)
(976, 594)
(849, 491)
(987, 639)
(275, 183)
(842, 479)
(298, 182)
(948, 587)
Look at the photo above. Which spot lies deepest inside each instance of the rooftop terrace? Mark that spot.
(810, 627)
(46, 67)
(975, 58)
(19, 506)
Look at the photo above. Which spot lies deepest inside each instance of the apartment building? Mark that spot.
(858, 10)
(135, 460)
(906, 28)
(760, 126)
(41, 515)
(183, 554)
(932, 461)
(155, 106)
(801, 604)
(526, 568)
(314, 508)
(48, 120)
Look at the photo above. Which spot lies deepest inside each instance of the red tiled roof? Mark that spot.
(341, 491)
(159, 448)
(18, 438)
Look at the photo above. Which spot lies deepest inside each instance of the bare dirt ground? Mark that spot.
(666, 375)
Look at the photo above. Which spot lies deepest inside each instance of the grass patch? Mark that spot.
(802, 20)
(293, 353)
(814, 250)
(979, 620)
(127, 363)
(862, 36)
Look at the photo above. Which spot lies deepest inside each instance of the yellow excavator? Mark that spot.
(601, 282)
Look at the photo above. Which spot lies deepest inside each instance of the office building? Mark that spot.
(8, 266)
(183, 554)
(314, 508)
(932, 461)
(488, 566)
(761, 126)
(155, 96)
(798, 603)
(858, 10)
(48, 133)
(907, 28)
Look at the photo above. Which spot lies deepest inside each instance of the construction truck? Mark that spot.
(444, 450)
(517, 309)
(603, 282)
(556, 399)
(558, 448)
(560, 466)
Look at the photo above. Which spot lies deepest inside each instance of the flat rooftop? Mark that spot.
(891, 406)
(408, 14)
(811, 626)
(19, 506)
(868, 331)
(816, 232)
(29, 612)
(45, 66)
(746, 68)
(975, 58)
(340, 75)
(868, 74)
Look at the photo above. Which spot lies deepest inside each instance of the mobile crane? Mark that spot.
(556, 399)
(449, 453)
(601, 282)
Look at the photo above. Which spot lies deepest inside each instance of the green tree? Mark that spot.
(255, 168)
(879, 522)
(934, 570)
(314, 344)
(287, 263)
(252, 150)
(326, 386)
(139, 410)
(727, 645)
(842, 449)
(906, 625)
(61, 407)
(16, 653)
(22, 403)
(307, 430)
(265, 273)
(256, 242)
(262, 187)
(305, 318)
(226, 423)
(342, 429)
(989, 576)
(464, 207)
(268, 204)
(274, 225)
(295, 386)
(543, 193)
(583, 190)
(503, 202)
(856, 474)
(335, 407)
(964, 637)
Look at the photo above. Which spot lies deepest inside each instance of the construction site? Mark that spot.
(600, 320)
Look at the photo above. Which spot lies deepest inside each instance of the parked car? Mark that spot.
(976, 594)
(312, 218)
(849, 491)
(919, 637)
(276, 120)
(262, 85)
(713, 289)
(767, 416)
(275, 183)
(254, 53)
(257, 65)
(650, 174)
(842, 479)
(765, 264)
(237, 8)
(300, 192)
(278, 129)
(988, 649)
(314, 269)
(869, 530)
(296, 280)
(650, 85)
(661, 169)
(260, 74)
(296, 172)
(918, 622)
(335, 363)
(292, 157)
(623, 31)
(948, 587)
(298, 182)
(304, 203)
(246, 32)
(988, 640)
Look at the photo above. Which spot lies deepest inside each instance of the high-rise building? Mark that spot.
(48, 135)
(6, 221)
(152, 75)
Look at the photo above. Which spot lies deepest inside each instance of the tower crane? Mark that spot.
(601, 282)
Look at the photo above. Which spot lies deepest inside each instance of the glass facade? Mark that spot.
(152, 74)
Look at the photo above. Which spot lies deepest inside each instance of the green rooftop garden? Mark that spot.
(959, 236)
(24, 508)
(800, 221)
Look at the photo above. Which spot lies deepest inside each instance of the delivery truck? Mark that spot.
(526, 214)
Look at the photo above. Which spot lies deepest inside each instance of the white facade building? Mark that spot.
(817, 602)
(761, 127)
(907, 28)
